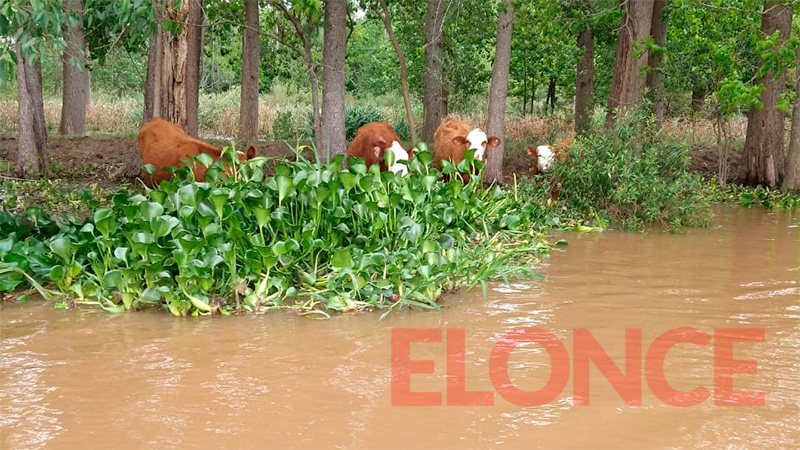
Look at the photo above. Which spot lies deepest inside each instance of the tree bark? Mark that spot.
(763, 148)
(655, 81)
(248, 106)
(433, 76)
(152, 86)
(334, 140)
(32, 154)
(792, 180)
(551, 94)
(498, 92)
(75, 95)
(386, 18)
(194, 52)
(179, 66)
(584, 82)
(627, 83)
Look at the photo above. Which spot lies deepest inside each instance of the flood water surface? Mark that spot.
(88, 379)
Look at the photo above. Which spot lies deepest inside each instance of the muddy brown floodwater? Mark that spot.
(88, 379)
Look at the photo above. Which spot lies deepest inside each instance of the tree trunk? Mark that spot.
(32, 138)
(386, 18)
(433, 76)
(194, 52)
(584, 82)
(248, 106)
(179, 66)
(655, 81)
(75, 95)
(627, 83)
(698, 100)
(763, 147)
(334, 141)
(524, 88)
(792, 180)
(551, 94)
(498, 92)
(152, 86)
(533, 93)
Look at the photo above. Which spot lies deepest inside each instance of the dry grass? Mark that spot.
(219, 117)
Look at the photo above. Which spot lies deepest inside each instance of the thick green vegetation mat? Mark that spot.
(314, 236)
(323, 238)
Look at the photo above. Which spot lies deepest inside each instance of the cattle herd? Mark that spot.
(164, 144)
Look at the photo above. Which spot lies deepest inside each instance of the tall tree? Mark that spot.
(386, 17)
(433, 77)
(627, 83)
(655, 59)
(498, 92)
(32, 140)
(173, 72)
(333, 140)
(791, 181)
(584, 81)
(763, 145)
(248, 109)
(75, 92)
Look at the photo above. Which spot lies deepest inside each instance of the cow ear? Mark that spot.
(251, 152)
(460, 140)
(377, 151)
(532, 151)
(494, 141)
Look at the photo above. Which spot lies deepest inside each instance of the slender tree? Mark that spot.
(498, 91)
(584, 81)
(627, 83)
(433, 77)
(763, 146)
(333, 140)
(791, 181)
(75, 92)
(386, 17)
(248, 109)
(655, 60)
(32, 140)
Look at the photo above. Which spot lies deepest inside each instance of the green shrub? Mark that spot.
(401, 128)
(283, 128)
(633, 178)
(359, 116)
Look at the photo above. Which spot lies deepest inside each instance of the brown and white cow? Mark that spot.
(546, 154)
(373, 140)
(164, 144)
(453, 138)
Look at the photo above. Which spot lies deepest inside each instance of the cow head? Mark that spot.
(382, 146)
(478, 140)
(544, 156)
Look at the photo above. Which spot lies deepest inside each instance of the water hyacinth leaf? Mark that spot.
(113, 278)
(285, 187)
(104, 221)
(204, 159)
(121, 253)
(342, 259)
(188, 194)
(61, 247)
(149, 210)
(349, 180)
(163, 225)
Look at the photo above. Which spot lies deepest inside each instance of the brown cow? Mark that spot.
(164, 144)
(453, 138)
(546, 154)
(373, 140)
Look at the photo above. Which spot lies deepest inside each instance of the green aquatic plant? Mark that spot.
(316, 237)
